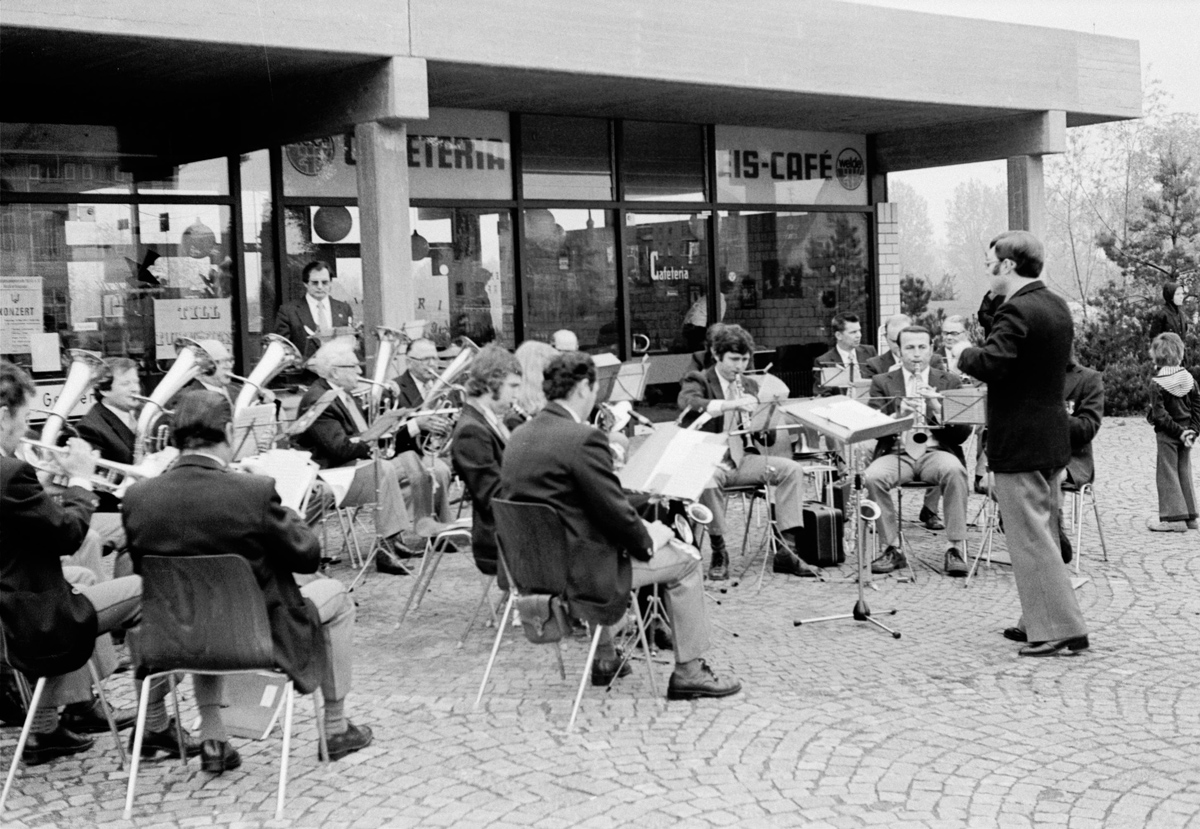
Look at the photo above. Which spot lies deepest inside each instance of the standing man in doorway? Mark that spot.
(312, 320)
(1024, 362)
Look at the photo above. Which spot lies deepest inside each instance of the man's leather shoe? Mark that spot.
(1072, 645)
(61, 742)
(661, 639)
(88, 718)
(355, 737)
(1016, 635)
(164, 741)
(604, 671)
(956, 565)
(405, 548)
(1064, 543)
(706, 684)
(790, 563)
(891, 560)
(1166, 526)
(387, 562)
(929, 519)
(217, 756)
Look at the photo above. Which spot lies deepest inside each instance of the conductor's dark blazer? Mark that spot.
(554, 460)
(1084, 395)
(887, 390)
(112, 439)
(35, 530)
(200, 508)
(1024, 363)
(329, 438)
(476, 451)
(295, 320)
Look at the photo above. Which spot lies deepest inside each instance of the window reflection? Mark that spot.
(566, 158)
(666, 267)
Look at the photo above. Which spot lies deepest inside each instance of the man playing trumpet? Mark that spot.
(931, 453)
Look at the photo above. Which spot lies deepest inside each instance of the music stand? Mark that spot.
(622, 381)
(849, 423)
(383, 425)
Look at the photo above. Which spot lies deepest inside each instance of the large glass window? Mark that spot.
(663, 162)
(783, 276)
(571, 276)
(329, 234)
(566, 158)
(666, 274)
(463, 273)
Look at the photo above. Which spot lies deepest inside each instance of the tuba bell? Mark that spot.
(390, 341)
(84, 370)
(280, 354)
(153, 430)
(446, 393)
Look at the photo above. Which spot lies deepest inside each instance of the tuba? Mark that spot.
(390, 341)
(280, 354)
(84, 370)
(446, 393)
(153, 431)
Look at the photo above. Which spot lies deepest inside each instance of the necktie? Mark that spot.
(360, 422)
(737, 443)
(322, 317)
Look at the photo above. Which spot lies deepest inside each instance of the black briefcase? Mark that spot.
(821, 537)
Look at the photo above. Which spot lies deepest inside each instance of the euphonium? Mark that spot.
(446, 393)
(191, 362)
(84, 370)
(280, 354)
(390, 340)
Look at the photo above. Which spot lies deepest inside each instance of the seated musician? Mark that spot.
(479, 440)
(201, 507)
(559, 460)
(38, 530)
(916, 389)
(847, 345)
(220, 378)
(533, 356)
(415, 385)
(723, 393)
(333, 441)
(564, 340)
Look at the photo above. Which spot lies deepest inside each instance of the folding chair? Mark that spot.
(987, 533)
(750, 495)
(1078, 494)
(31, 705)
(532, 549)
(204, 615)
(435, 548)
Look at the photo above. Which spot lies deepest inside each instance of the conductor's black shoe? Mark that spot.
(1072, 645)
(604, 671)
(164, 741)
(929, 519)
(790, 563)
(1064, 543)
(706, 684)
(387, 562)
(355, 737)
(217, 756)
(88, 717)
(956, 565)
(61, 742)
(1015, 635)
(891, 560)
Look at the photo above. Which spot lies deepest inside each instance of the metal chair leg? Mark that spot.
(587, 675)
(424, 577)
(112, 725)
(32, 711)
(139, 732)
(288, 708)
(512, 597)
(487, 586)
(1099, 526)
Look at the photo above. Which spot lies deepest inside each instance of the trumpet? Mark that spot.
(108, 476)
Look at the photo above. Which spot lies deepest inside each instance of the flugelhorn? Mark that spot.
(84, 370)
(191, 362)
(280, 354)
(108, 476)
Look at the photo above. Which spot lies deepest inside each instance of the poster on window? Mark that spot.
(769, 166)
(20, 312)
(197, 318)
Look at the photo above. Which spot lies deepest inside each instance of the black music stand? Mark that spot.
(849, 423)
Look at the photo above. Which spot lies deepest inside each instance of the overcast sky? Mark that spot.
(1168, 31)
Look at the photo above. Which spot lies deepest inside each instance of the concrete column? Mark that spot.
(1027, 195)
(388, 297)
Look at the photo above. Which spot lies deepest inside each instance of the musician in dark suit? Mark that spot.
(415, 385)
(35, 597)
(559, 460)
(1024, 363)
(847, 344)
(932, 455)
(201, 507)
(333, 441)
(726, 397)
(479, 440)
(110, 426)
(315, 317)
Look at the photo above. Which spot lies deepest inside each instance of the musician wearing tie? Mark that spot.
(415, 384)
(111, 424)
(312, 320)
(847, 346)
(727, 397)
(932, 452)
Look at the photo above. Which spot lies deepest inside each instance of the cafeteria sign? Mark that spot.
(767, 166)
(20, 313)
(197, 318)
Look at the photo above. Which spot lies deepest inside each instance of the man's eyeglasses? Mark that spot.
(422, 359)
(346, 365)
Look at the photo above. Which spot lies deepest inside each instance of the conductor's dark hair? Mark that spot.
(315, 265)
(1023, 248)
(564, 373)
(199, 420)
(732, 338)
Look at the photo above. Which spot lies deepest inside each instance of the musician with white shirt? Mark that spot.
(847, 346)
(932, 453)
(415, 385)
(314, 319)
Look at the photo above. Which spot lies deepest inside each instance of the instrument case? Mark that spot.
(822, 543)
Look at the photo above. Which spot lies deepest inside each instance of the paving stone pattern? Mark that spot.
(839, 725)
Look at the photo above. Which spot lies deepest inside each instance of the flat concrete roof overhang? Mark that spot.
(928, 89)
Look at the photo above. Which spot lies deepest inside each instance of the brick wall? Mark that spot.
(887, 255)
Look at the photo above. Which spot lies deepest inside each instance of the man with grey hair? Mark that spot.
(564, 340)
(954, 330)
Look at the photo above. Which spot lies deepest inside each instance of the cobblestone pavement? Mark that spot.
(839, 725)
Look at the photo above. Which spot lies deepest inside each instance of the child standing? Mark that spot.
(1175, 415)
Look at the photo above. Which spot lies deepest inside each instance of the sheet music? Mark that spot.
(674, 462)
(852, 415)
(253, 430)
(339, 479)
(293, 472)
